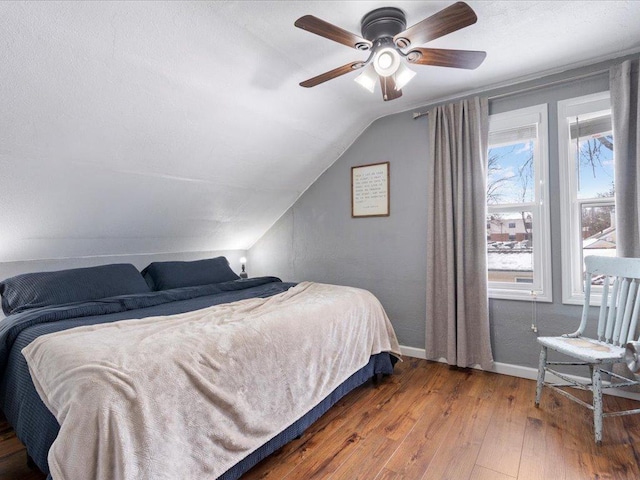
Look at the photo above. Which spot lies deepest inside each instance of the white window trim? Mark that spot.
(572, 292)
(539, 210)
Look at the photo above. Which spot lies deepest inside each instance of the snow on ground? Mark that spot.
(520, 261)
(523, 261)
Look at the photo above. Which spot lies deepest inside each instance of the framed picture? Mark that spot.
(370, 190)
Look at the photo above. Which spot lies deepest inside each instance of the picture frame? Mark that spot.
(370, 190)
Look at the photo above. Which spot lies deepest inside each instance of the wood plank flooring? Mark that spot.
(431, 422)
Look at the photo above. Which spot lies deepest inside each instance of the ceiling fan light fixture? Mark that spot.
(403, 76)
(386, 61)
(368, 78)
(392, 47)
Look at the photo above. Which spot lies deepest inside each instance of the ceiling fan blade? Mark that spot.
(452, 18)
(336, 72)
(469, 59)
(388, 87)
(327, 30)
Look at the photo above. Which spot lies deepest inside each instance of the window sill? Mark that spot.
(578, 299)
(520, 295)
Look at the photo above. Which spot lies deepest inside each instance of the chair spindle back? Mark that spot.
(620, 305)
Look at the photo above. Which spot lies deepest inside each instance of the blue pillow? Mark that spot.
(168, 275)
(41, 289)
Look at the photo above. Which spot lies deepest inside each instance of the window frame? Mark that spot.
(570, 204)
(541, 289)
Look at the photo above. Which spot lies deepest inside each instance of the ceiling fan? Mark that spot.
(391, 44)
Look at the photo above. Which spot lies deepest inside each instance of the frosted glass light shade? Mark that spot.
(368, 78)
(403, 76)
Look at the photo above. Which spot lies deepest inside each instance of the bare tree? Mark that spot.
(525, 179)
(521, 182)
(495, 177)
(596, 219)
(592, 153)
(593, 150)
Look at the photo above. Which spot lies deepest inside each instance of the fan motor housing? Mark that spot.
(383, 22)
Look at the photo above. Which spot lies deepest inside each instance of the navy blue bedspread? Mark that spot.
(35, 426)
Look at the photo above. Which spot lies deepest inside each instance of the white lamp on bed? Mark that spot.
(243, 262)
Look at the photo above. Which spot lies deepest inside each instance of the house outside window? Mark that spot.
(518, 232)
(587, 188)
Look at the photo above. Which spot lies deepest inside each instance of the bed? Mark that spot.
(100, 303)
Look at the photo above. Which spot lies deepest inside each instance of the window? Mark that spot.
(518, 241)
(586, 187)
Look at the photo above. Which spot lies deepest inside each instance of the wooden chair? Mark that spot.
(617, 325)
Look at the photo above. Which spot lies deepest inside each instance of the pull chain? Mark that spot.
(534, 311)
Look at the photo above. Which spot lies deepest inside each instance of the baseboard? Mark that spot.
(413, 352)
(516, 371)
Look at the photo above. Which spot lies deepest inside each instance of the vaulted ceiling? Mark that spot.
(147, 127)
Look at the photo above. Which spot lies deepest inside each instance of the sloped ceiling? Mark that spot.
(152, 127)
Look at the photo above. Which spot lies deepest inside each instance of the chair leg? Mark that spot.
(541, 370)
(597, 404)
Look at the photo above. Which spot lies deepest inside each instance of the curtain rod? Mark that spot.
(533, 87)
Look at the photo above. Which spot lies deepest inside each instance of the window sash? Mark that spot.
(514, 285)
(577, 273)
(519, 126)
(596, 109)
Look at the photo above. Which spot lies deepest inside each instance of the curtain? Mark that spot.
(457, 303)
(623, 82)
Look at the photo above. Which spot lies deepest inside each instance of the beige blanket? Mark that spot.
(189, 395)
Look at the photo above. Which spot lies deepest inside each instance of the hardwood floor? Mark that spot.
(431, 422)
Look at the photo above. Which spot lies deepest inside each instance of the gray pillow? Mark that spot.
(167, 275)
(41, 289)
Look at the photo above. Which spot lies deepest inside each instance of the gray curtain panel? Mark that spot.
(623, 85)
(623, 80)
(457, 303)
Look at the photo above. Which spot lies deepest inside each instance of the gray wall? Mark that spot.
(316, 239)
